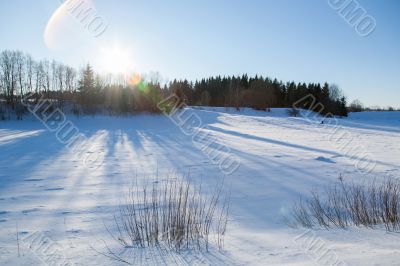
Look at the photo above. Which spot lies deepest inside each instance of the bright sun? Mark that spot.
(115, 59)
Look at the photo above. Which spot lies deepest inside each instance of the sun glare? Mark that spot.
(116, 59)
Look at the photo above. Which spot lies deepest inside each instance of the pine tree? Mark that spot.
(87, 88)
(343, 107)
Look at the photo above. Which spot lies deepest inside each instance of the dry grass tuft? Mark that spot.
(344, 205)
(174, 214)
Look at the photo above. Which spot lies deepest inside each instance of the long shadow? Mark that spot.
(257, 195)
(179, 152)
(249, 185)
(295, 146)
(18, 159)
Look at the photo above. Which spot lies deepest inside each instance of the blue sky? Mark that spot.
(288, 39)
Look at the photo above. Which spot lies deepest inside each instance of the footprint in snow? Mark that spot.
(30, 210)
(324, 159)
(54, 189)
(77, 231)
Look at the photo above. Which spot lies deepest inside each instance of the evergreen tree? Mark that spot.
(87, 88)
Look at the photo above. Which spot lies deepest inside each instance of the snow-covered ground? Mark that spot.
(61, 205)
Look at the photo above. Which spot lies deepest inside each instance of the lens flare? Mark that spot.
(143, 86)
(64, 30)
(136, 81)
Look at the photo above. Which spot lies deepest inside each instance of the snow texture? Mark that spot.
(60, 206)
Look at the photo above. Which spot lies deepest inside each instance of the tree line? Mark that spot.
(80, 91)
(86, 92)
(260, 93)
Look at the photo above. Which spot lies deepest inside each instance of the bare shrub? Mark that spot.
(352, 204)
(174, 215)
